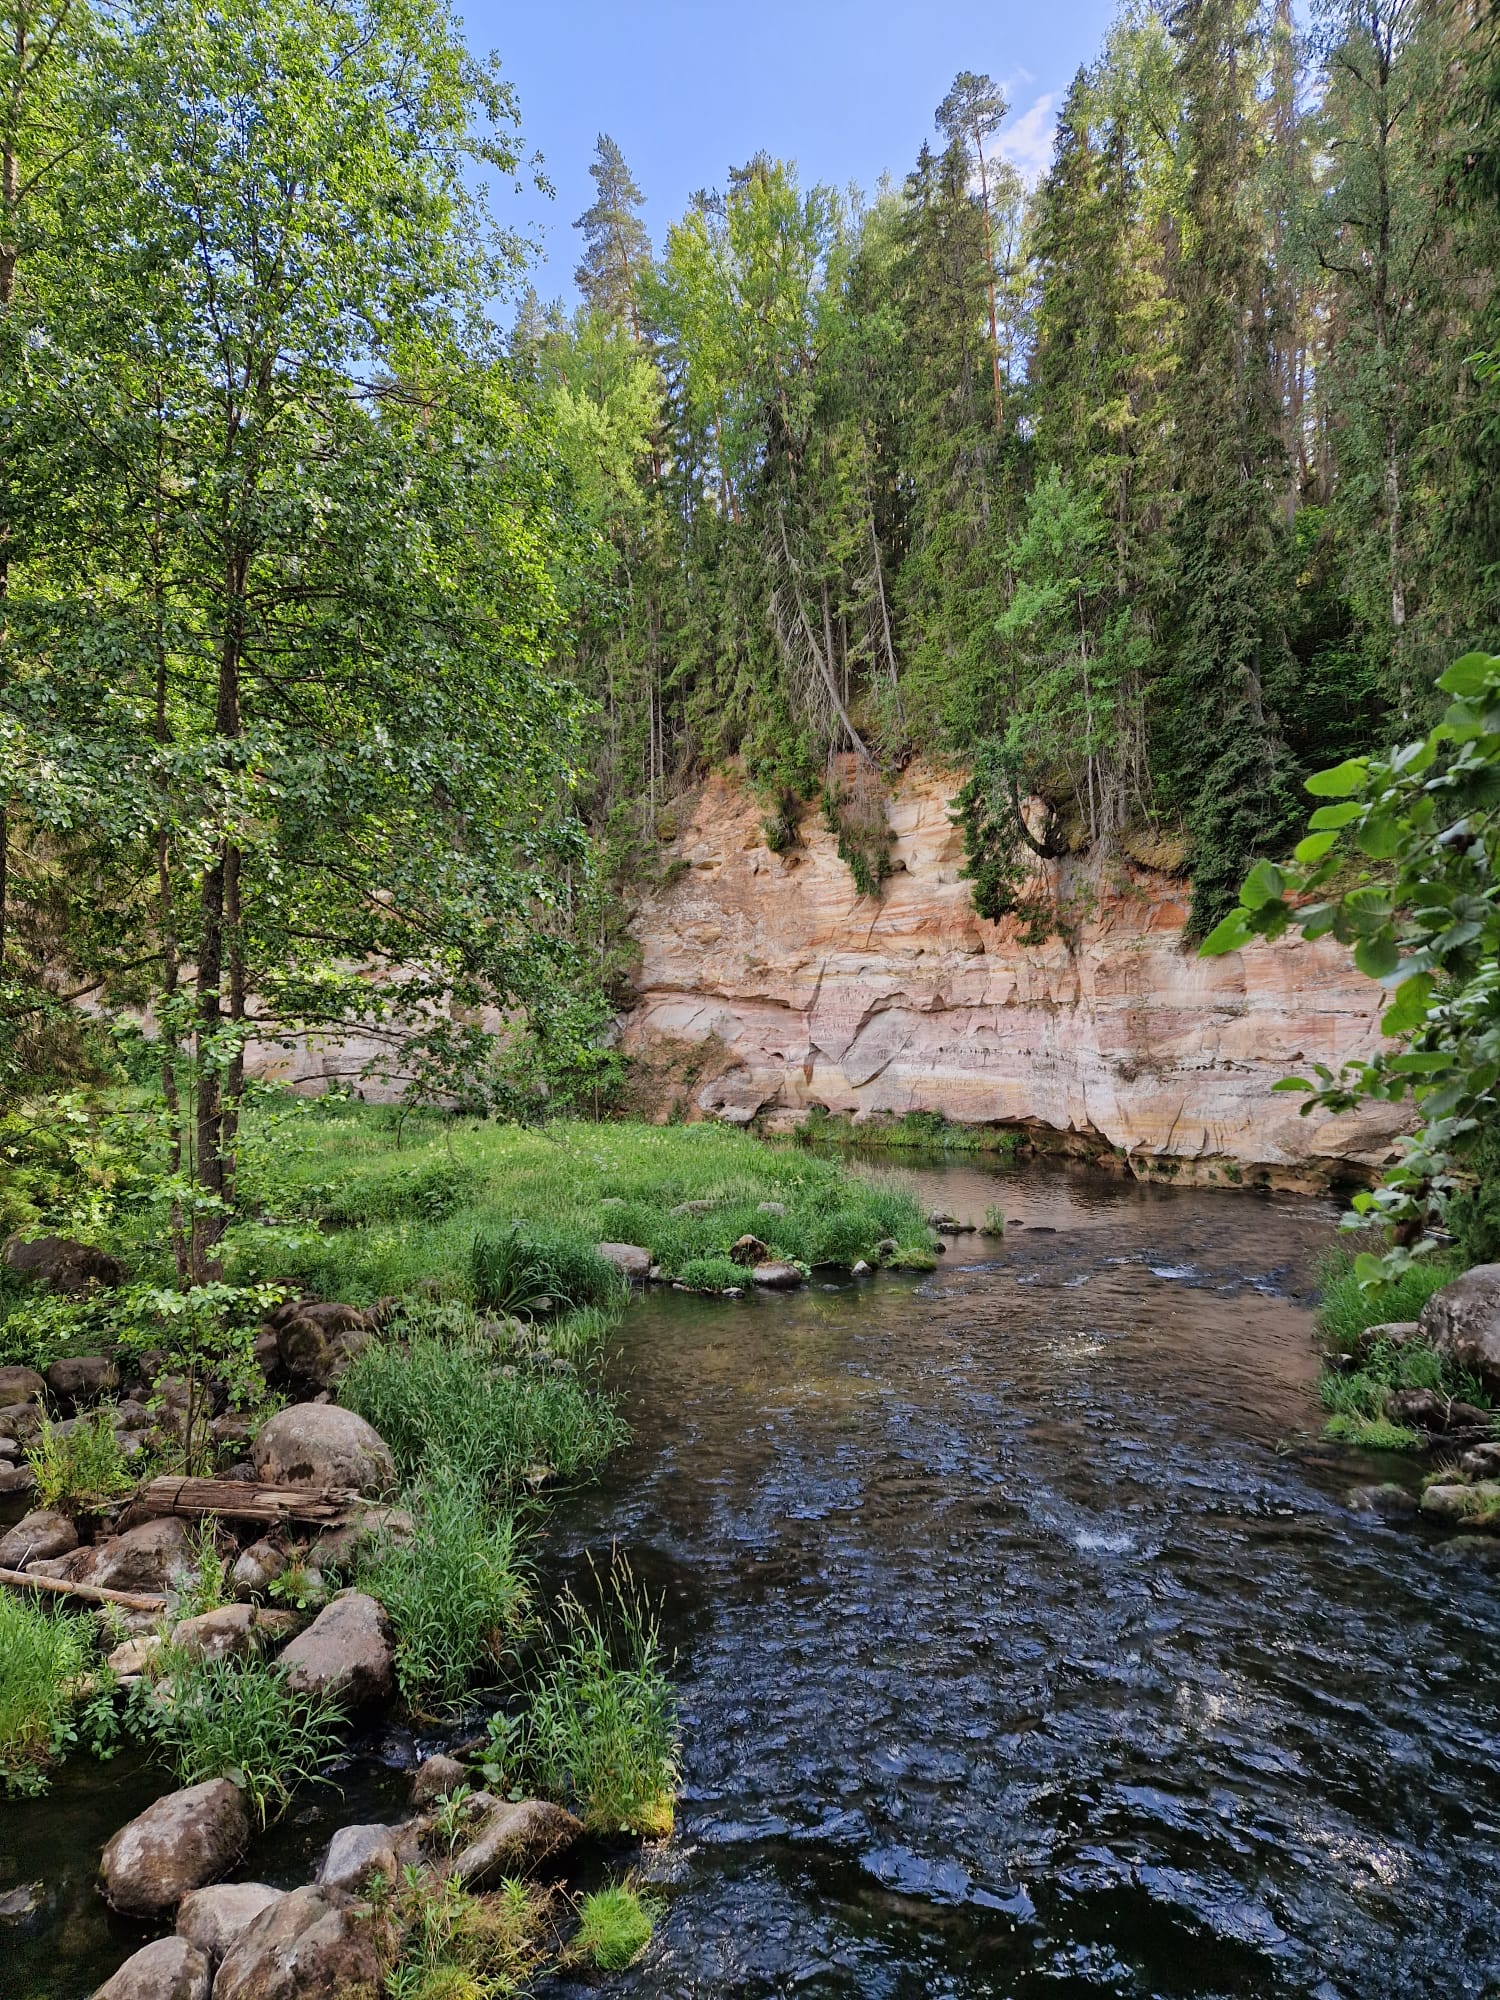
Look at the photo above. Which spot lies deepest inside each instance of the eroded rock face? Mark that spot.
(170, 1969)
(345, 1655)
(216, 1918)
(177, 1845)
(318, 1444)
(1463, 1322)
(304, 1947)
(506, 1837)
(816, 995)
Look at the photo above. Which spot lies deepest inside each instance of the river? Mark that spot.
(1026, 1643)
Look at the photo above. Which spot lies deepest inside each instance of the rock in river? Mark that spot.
(214, 1919)
(319, 1444)
(345, 1654)
(175, 1846)
(777, 1277)
(1463, 1322)
(170, 1969)
(1478, 1505)
(304, 1947)
(504, 1837)
(629, 1259)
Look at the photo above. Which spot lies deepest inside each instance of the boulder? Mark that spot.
(436, 1778)
(1390, 1502)
(61, 1263)
(156, 1556)
(257, 1569)
(317, 1344)
(129, 1661)
(358, 1852)
(83, 1378)
(170, 1969)
(9, 1448)
(216, 1918)
(20, 1385)
(629, 1259)
(1462, 1321)
(749, 1250)
(40, 1534)
(175, 1846)
(1452, 1502)
(345, 1654)
(504, 1837)
(777, 1277)
(319, 1444)
(227, 1633)
(19, 1420)
(305, 1946)
(16, 1479)
(1389, 1333)
(1420, 1409)
(1483, 1462)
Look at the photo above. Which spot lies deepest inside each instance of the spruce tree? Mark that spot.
(617, 248)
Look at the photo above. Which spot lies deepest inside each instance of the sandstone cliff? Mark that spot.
(1121, 1036)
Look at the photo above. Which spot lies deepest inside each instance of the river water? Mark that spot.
(1026, 1643)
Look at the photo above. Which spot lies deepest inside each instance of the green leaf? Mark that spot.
(1379, 838)
(1313, 847)
(1423, 1062)
(1336, 815)
(1263, 885)
(1409, 1009)
(1340, 780)
(1378, 956)
(1472, 675)
(1292, 1083)
(1230, 935)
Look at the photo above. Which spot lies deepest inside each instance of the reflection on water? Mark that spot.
(1027, 1646)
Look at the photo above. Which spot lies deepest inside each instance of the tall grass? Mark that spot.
(81, 1469)
(236, 1719)
(438, 1941)
(456, 1593)
(512, 1271)
(452, 1401)
(1346, 1309)
(600, 1731)
(45, 1658)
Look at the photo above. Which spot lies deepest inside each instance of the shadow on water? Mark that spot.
(1026, 1644)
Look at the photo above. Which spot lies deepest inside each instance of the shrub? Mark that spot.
(45, 1662)
(448, 1402)
(600, 1733)
(515, 1272)
(236, 1719)
(456, 1592)
(80, 1470)
(614, 1927)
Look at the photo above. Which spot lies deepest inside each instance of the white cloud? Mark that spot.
(1027, 141)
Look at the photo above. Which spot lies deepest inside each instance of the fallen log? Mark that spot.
(243, 1500)
(94, 1593)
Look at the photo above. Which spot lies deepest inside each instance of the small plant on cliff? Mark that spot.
(857, 820)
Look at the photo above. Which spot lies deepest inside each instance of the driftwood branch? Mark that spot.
(94, 1593)
(242, 1500)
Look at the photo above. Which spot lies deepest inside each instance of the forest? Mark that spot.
(1139, 494)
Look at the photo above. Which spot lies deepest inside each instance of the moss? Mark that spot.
(614, 1927)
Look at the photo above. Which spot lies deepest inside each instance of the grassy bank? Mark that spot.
(916, 1132)
(1362, 1372)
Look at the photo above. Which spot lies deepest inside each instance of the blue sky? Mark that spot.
(845, 89)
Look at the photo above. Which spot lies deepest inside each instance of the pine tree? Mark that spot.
(618, 249)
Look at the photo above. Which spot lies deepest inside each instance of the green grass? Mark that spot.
(713, 1274)
(917, 1131)
(439, 1941)
(46, 1657)
(516, 1270)
(614, 1927)
(1346, 1309)
(600, 1731)
(456, 1593)
(1371, 1433)
(568, 1186)
(82, 1470)
(443, 1400)
(236, 1719)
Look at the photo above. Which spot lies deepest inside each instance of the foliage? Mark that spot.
(438, 1941)
(49, 1689)
(517, 1272)
(1402, 866)
(1346, 1307)
(236, 1719)
(599, 1732)
(614, 1926)
(449, 1401)
(81, 1470)
(456, 1591)
(712, 1274)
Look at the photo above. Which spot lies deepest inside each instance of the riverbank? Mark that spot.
(305, 1506)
